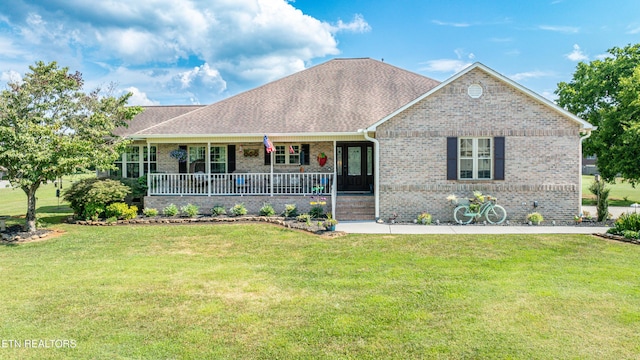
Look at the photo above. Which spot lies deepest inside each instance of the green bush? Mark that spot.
(267, 210)
(170, 210)
(599, 189)
(290, 210)
(138, 188)
(424, 218)
(218, 210)
(122, 211)
(92, 211)
(190, 210)
(305, 218)
(316, 212)
(626, 222)
(100, 192)
(630, 234)
(150, 212)
(535, 217)
(238, 210)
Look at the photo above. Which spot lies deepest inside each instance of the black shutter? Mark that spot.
(267, 157)
(231, 158)
(304, 154)
(498, 158)
(452, 158)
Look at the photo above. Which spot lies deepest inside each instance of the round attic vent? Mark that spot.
(475, 91)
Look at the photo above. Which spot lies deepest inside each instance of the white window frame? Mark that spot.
(475, 158)
(224, 159)
(142, 154)
(288, 156)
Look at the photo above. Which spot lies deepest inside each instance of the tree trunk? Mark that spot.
(30, 220)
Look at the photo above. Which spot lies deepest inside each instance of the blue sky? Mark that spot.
(202, 51)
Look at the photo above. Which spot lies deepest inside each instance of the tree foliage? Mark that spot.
(607, 94)
(49, 128)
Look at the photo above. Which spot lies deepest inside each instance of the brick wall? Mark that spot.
(253, 164)
(252, 203)
(542, 153)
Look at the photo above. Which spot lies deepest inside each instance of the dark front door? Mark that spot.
(354, 166)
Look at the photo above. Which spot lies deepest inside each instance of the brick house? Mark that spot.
(375, 140)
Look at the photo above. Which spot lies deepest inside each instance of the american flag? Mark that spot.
(268, 146)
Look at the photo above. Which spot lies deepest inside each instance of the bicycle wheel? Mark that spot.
(461, 215)
(496, 214)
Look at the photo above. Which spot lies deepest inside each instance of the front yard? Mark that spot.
(261, 291)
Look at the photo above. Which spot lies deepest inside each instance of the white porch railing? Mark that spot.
(241, 184)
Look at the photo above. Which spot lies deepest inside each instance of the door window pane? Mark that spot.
(339, 160)
(355, 161)
(369, 161)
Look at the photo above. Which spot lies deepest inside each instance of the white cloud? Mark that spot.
(445, 65)
(562, 29)
(577, 54)
(358, 25)
(530, 75)
(10, 76)
(139, 98)
(454, 24)
(604, 56)
(202, 83)
(244, 41)
(634, 30)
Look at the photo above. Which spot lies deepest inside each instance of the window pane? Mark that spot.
(196, 153)
(339, 160)
(466, 168)
(466, 147)
(218, 159)
(133, 153)
(355, 161)
(294, 158)
(484, 148)
(369, 161)
(133, 170)
(484, 169)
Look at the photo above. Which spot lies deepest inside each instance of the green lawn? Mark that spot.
(49, 208)
(259, 291)
(622, 193)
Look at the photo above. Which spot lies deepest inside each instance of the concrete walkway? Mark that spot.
(371, 227)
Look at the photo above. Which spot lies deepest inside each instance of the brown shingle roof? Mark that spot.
(341, 95)
(153, 115)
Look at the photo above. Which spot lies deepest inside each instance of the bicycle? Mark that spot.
(494, 213)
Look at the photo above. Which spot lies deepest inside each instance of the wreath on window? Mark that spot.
(179, 154)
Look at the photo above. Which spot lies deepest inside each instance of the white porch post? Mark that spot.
(207, 165)
(334, 182)
(271, 175)
(149, 167)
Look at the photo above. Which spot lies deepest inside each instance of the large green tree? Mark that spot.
(607, 94)
(49, 127)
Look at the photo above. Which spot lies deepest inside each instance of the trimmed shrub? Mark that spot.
(424, 219)
(305, 218)
(122, 211)
(267, 210)
(290, 210)
(100, 192)
(92, 211)
(218, 210)
(238, 210)
(170, 210)
(190, 210)
(316, 212)
(626, 222)
(535, 217)
(150, 212)
(599, 189)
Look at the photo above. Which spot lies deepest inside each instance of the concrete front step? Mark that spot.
(355, 207)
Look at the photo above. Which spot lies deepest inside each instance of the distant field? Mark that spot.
(14, 201)
(622, 193)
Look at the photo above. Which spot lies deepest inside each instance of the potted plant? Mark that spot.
(330, 223)
(535, 218)
(179, 154)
